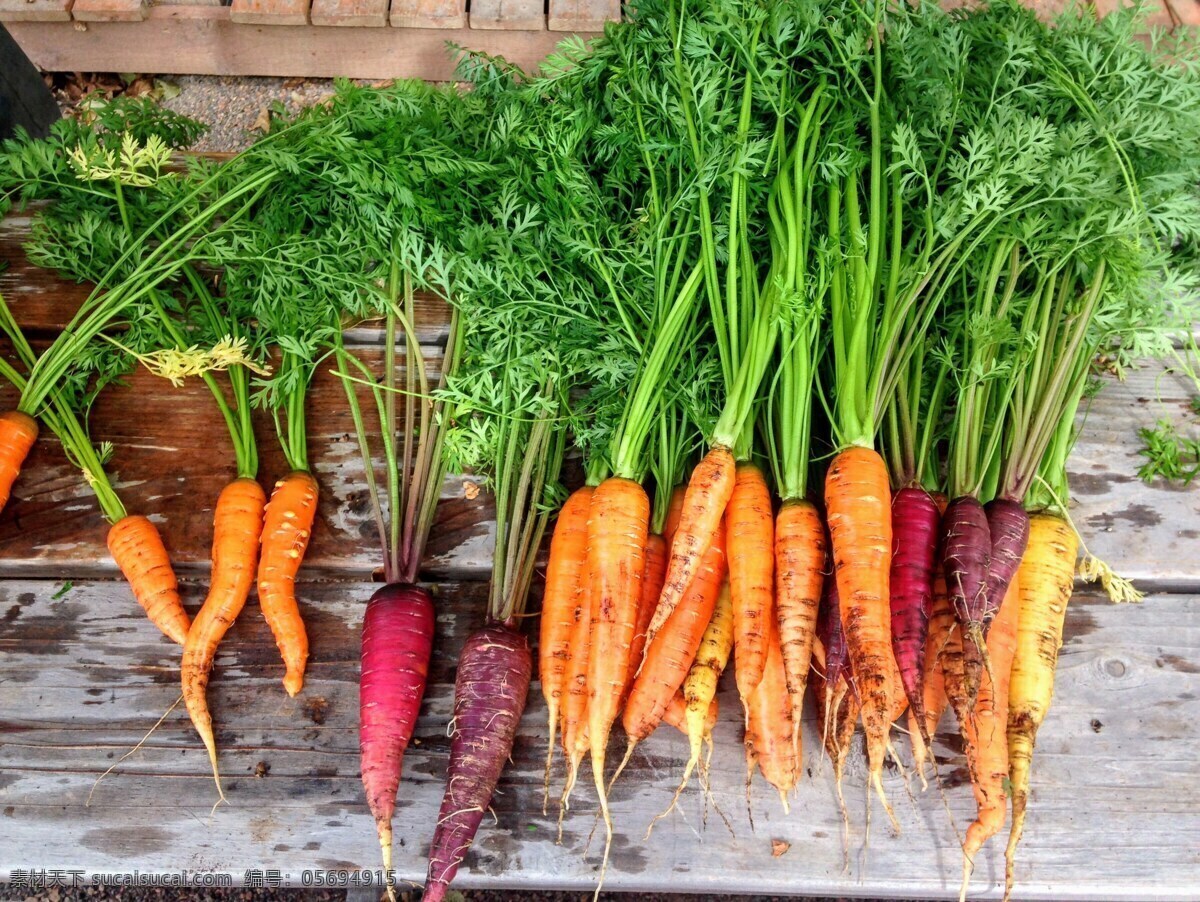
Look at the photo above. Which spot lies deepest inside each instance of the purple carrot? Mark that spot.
(915, 521)
(966, 557)
(832, 636)
(397, 639)
(1009, 525)
(489, 698)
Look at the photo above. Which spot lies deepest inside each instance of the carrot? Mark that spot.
(397, 639)
(915, 519)
(934, 701)
(237, 520)
(966, 549)
(750, 531)
(617, 532)
(671, 653)
(837, 699)
(700, 686)
(138, 550)
(708, 492)
(652, 583)
(489, 696)
(575, 741)
(568, 561)
(676, 715)
(799, 576)
(860, 525)
(770, 739)
(18, 433)
(674, 511)
(985, 735)
(286, 530)
(1045, 581)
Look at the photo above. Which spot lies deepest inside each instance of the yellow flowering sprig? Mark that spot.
(136, 165)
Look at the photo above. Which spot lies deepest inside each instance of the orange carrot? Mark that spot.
(138, 549)
(986, 735)
(770, 739)
(941, 624)
(565, 570)
(676, 715)
(652, 583)
(237, 521)
(860, 526)
(674, 512)
(286, 530)
(750, 532)
(617, 532)
(799, 576)
(704, 503)
(18, 432)
(671, 653)
(575, 743)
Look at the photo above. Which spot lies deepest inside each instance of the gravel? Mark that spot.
(236, 108)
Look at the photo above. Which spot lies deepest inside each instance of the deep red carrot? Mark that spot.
(397, 638)
(489, 698)
(1009, 526)
(914, 549)
(966, 551)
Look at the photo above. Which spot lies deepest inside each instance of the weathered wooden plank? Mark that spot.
(84, 676)
(171, 461)
(366, 13)
(269, 12)
(205, 41)
(35, 10)
(510, 15)
(429, 13)
(1148, 533)
(109, 11)
(582, 15)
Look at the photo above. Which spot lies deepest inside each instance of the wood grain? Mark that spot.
(429, 13)
(108, 11)
(508, 15)
(369, 13)
(269, 12)
(84, 676)
(204, 40)
(35, 10)
(582, 15)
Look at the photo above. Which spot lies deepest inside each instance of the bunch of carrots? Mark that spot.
(813, 289)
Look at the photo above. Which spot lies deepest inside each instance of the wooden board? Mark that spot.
(84, 676)
(204, 40)
(269, 12)
(582, 15)
(349, 12)
(509, 15)
(109, 11)
(429, 13)
(35, 10)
